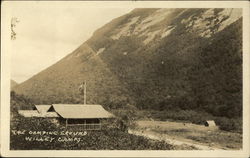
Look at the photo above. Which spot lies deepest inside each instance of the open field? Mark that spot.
(187, 133)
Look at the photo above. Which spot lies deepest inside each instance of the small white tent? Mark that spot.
(210, 123)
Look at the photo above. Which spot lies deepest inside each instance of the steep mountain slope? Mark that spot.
(153, 58)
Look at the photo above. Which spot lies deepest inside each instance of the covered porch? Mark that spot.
(85, 124)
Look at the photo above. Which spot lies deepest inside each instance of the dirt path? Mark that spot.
(169, 140)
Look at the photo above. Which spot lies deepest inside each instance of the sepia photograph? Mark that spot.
(88, 76)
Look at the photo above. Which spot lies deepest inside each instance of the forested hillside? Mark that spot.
(156, 59)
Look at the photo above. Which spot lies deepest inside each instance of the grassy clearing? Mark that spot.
(193, 133)
(192, 116)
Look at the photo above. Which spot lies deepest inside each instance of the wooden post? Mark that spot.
(66, 123)
(85, 91)
(100, 122)
(85, 126)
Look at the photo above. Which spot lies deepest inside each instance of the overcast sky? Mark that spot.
(47, 33)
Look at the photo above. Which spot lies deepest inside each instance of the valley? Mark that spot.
(162, 72)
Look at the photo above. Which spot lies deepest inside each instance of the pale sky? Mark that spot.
(47, 33)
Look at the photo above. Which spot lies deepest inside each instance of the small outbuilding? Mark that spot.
(210, 123)
(39, 111)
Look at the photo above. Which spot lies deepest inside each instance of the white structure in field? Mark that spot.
(210, 123)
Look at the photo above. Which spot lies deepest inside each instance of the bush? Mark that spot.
(229, 124)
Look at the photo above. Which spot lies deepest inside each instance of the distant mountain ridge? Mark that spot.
(13, 84)
(156, 59)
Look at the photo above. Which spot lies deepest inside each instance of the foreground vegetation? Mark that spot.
(108, 139)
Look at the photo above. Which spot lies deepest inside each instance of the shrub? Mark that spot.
(229, 124)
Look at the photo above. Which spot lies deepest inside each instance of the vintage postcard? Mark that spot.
(125, 79)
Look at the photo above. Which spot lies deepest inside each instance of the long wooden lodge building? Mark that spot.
(86, 115)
